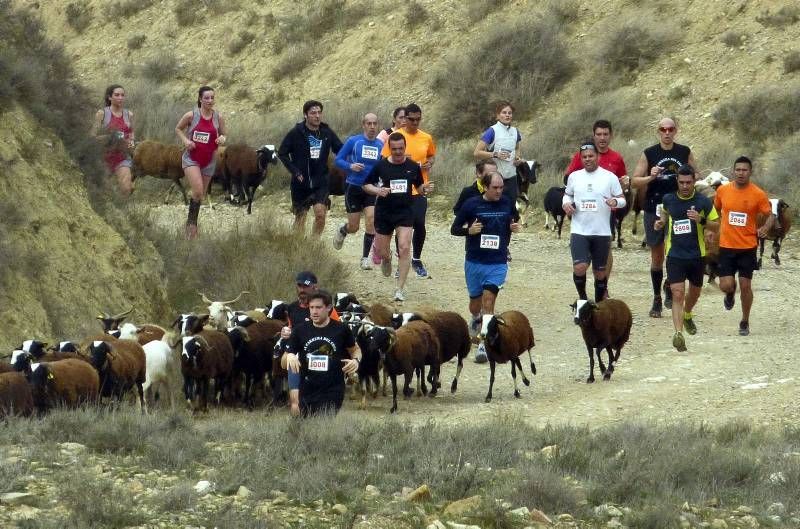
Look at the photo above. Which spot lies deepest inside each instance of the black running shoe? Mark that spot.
(667, 296)
(744, 328)
(729, 301)
(655, 310)
(688, 324)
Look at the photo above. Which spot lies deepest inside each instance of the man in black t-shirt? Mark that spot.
(392, 180)
(322, 351)
(657, 170)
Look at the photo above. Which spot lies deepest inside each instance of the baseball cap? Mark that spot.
(306, 278)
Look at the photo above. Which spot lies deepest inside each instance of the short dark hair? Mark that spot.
(398, 110)
(480, 164)
(602, 124)
(200, 93)
(395, 136)
(311, 103)
(500, 105)
(413, 107)
(486, 180)
(744, 159)
(324, 295)
(686, 169)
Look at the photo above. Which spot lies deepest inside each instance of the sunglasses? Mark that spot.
(666, 129)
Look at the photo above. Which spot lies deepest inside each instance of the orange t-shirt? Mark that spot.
(419, 147)
(738, 209)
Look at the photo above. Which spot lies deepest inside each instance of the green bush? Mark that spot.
(732, 38)
(240, 42)
(186, 12)
(136, 41)
(785, 16)
(79, 16)
(294, 59)
(764, 112)
(125, 8)
(322, 17)
(162, 67)
(791, 62)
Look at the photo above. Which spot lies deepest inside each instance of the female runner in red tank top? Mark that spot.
(113, 126)
(201, 132)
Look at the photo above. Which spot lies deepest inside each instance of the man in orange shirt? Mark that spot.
(739, 204)
(421, 149)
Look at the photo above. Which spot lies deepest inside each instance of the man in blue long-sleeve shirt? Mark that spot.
(360, 153)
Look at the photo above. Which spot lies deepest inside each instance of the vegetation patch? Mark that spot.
(785, 16)
(125, 8)
(162, 67)
(79, 16)
(239, 42)
(764, 112)
(791, 62)
(136, 41)
(322, 17)
(732, 38)
(294, 59)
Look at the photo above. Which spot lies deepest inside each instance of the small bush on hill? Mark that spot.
(779, 173)
(240, 42)
(136, 41)
(765, 112)
(322, 17)
(162, 67)
(79, 16)
(125, 8)
(186, 12)
(731, 38)
(416, 14)
(791, 62)
(294, 59)
(785, 16)
(156, 112)
(478, 10)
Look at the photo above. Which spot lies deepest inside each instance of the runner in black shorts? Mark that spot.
(688, 219)
(392, 180)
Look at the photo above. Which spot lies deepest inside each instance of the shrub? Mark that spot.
(238, 43)
(99, 502)
(416, 14)
(791, 62)
(79, 16)
(125, 8)
(785, 16)
(294, 59)
(780, 170)
(136, 41)
(162, 67)
(323, 17)
(762, 113)
(242, 93)
(157, 113)
(186, 12)
(732, 38)
(273, 96)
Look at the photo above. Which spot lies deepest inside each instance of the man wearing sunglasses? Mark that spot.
(657, 172)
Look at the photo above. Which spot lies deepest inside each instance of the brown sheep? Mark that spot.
(244, 169)
(453, 334)
(380, 314)
(5, 367)
(160, 160)
(206, 355)
(16, 397)
(121, 365)
(506, 337)
(783, 223)
(606, 324)
(67, 383)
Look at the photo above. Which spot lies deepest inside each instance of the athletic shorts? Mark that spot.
(321, 407)
(294, 380)
(652, 236)
(207, 170)
(511, 190)
(479, 275)
(590, 249)
(356, 199)
(741, 261)
(115, 159)
(387, 221)
(304, 198)
(679, 270)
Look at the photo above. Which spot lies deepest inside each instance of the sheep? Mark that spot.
(379, 314)
(245, 169)
(278, 310)
(161, 161)
(67, 382)
(342, 300)
(219, 311)
(526, 175)
(252, 352)
(618, 215)
(783, 223)
(16, 397)
(606, 324)
(506, 336)
(142, 334)
(110, 322)
(205, 355)
(453, 334)
(42, 353)
(189, 324)
(553, 206)
(121, 365)
(405, 350)
(5, 367)
(161, 367)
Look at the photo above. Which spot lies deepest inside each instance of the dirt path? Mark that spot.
(722, 376)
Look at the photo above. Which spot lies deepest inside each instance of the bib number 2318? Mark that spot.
(490, 242)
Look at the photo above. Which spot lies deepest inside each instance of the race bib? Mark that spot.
(369, 153)
(314, 153)
(318, 362)
(679, 227)
(398, 186)
(587, 205)
(201, 137)
(314, 147)
(490, 242)
(737, 219)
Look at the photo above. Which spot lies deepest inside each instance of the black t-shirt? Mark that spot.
(321, 351)
(667, 181)
(297, 314)
(399, 178)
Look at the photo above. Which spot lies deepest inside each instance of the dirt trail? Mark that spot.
(722, 376)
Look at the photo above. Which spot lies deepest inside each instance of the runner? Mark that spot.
(357, 157)
(500, 143)
(739, 204)
(487, 222)
(398, 122)
(114, 126)
(590, 194)
(206, 128)
(304, 152)
(476, 189)
(657, 170)
(689, 219)
(392, 181)
(420, 148)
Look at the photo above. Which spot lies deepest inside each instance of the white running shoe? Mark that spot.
(480, 355)
(366, 263)
(338, 237)
(399, 295)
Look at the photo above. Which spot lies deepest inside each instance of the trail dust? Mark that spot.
(722, 376)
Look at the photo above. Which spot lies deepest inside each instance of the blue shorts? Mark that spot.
(479, 275)
(294, 380)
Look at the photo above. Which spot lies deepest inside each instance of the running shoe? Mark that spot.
(678, 342)
(744, 328)
(338, 237)
(399, 295)
(655, 310)
(366, 263)
(397, 273)
(688, 324)
(480, 355)
(419, 268)
(667, 296)
(386, 267)
(729, 301)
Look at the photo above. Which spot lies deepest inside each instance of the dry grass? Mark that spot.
(785, 16)
(162, 67)
(764, 112)
(79, 16)
(791, 62)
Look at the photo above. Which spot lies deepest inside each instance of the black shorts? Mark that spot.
(652, 236)
(387, 221)
(356, 199)
(590, 249)
(331, 405)
(741, 261)
(679, 270)
(304, 198)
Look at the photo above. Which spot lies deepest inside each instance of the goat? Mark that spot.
(206, 355)
(454, 340)
(16, 397)
(278, 310)
(252, 352)
(526, 175)
(553, 206)
(506, 337)
(67, 382)
(161, 161)
(121, 365)
(160, 371)
(606, 324)
(189, 324)
(783, 223)
(245, 169)
(218, 311)
(110, 322)
(618, 215)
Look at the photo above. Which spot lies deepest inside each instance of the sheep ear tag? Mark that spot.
(50, 376)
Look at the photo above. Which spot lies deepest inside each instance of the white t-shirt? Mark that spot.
(589, 192)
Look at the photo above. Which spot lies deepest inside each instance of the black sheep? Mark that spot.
(604, 325)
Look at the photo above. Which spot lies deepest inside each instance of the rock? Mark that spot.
(743, 509)
(719, 523)
(775, 519)
(713, 502)
(614, 523)
(540, 517)
(607, 511)
(749, 521)
(565, 518)
(436, 524)
(203, 487)
(776, 508)
(463, 506)
(280, 500)
(71, 448)
(275, 493)
(521, 511)
(243, 492)
(454, 525)
(777, 478)
(339, 509)
(686, 507)
(16, 498)
(372, 490)
(549, 451)
(421, 493)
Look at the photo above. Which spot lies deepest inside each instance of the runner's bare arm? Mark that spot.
(181, 127)
(640, 176)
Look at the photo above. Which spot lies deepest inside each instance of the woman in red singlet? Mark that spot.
(201, 131)
(113, 126)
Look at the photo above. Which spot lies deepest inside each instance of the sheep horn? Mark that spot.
(122, 314)
(205, 299)
(242, 293)
(103, 316)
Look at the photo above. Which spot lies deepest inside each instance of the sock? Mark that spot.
(194, 210)
(580, 285)
(687, 315)
(599, 288)
(368, 239)
(667, 290)
(657, 276)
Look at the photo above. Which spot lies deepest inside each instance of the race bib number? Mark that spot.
(369, 153)
(398, 186)
(679, 227)
(315, 152)
(737, 219)
(490, 242)
(314, 147)
(201, 137)
(318, 362)
(587, 205)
